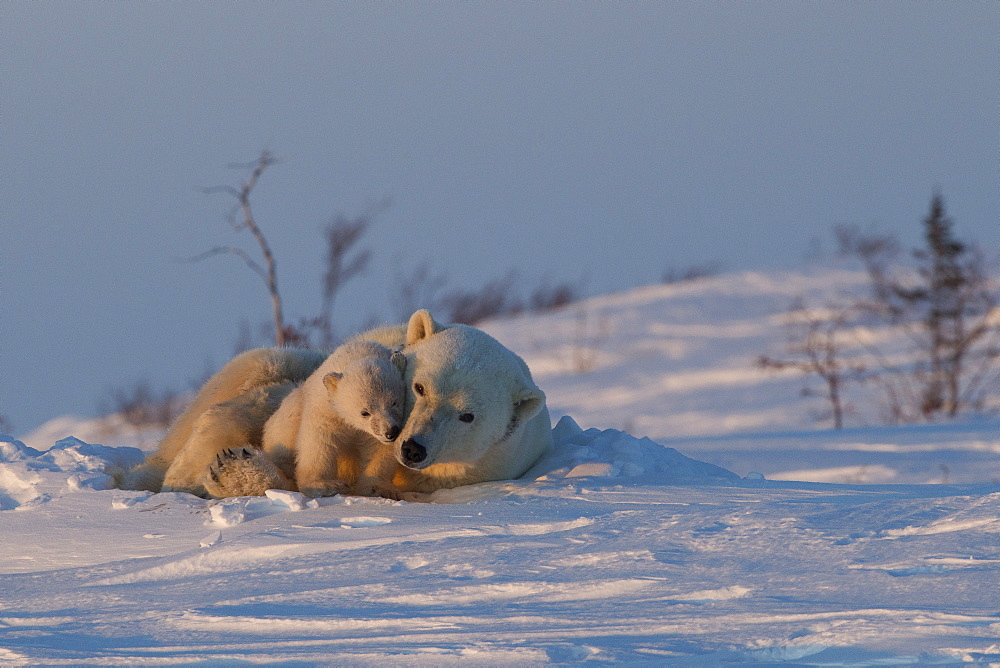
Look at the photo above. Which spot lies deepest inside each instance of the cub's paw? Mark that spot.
(375, 488)
(316, 488)
(242, 472)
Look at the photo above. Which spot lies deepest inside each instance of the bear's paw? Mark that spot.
(242, 471)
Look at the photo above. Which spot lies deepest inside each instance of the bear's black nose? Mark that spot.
(392, 433)
(413, 452)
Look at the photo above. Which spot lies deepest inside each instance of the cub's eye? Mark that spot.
(466, 417)
(419, 389)
(365, 414)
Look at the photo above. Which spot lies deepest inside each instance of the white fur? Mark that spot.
(229, 411)
(333, 433)
(462, 371)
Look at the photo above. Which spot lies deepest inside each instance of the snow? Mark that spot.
(721, 526)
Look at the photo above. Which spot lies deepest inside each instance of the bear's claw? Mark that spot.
(242, 471)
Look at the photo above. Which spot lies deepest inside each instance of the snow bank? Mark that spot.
(29, 476)
(611, 453)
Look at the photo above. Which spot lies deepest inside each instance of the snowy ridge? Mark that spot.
(676, 363)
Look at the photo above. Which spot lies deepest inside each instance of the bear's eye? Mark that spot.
(466, 417)
(419, 389)
(365, 414)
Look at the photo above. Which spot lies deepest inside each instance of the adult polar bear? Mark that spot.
(474, 413)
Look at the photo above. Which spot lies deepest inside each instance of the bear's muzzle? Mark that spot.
(412, 453)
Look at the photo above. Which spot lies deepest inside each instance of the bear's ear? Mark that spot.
(528, 402)
(331, 380)
(421, 326)
(398, 360)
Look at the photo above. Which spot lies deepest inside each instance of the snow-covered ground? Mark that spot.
(614, 549)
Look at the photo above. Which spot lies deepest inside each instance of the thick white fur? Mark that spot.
(229, 411)
(333, 433)
(463, 371)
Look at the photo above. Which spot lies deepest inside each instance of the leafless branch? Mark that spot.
(267, 272)
(343, 235)
(818, 350)
(232, 250)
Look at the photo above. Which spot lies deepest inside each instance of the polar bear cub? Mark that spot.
(331, 433)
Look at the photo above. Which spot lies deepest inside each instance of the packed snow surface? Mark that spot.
(737, 532)
(613, 549)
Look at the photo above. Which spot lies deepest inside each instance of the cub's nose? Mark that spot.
(392, 433)
(413, 452)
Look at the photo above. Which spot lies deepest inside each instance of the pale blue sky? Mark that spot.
(606, 140)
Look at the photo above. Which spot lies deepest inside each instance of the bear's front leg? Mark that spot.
(317, 471)
(318, 463)
(379, 468)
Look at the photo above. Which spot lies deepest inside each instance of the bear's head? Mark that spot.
(466, 394)
(370, 394)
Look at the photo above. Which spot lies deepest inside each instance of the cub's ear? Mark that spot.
(398, 360)
(421, 326)
(528, 402)
(331, 380)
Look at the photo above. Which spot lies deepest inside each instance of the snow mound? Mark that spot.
(29, 477)
(12, 450)
(611, 453)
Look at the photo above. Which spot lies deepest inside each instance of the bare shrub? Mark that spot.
(268, 272)
(421, 287)
(877, 253)
(141, 407)
(815, 347)
(344, 261)
(547, 297)
(495, 298)
(944, 308)
(947, 306)
(588, 338)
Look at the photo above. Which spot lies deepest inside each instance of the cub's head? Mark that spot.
(466, 394)
(370, 394)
